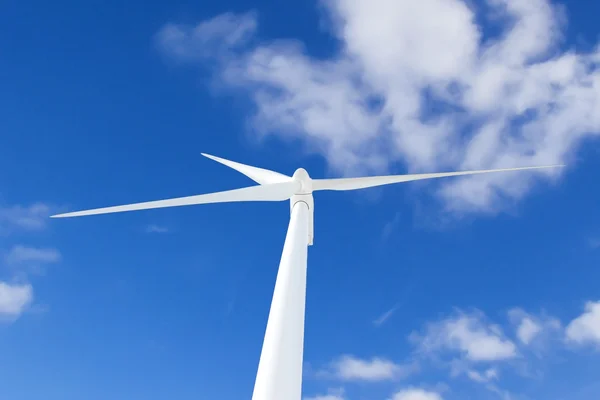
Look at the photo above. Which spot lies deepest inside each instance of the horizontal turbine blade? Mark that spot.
(259, 175)
(368, 182)
(273, 192)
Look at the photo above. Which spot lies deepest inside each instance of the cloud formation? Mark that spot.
(376, 369)
(326, 397)
(416, 394)
(469, 336)
(585, 329)
(16, 264)
(21, 254)
(14, 299)
(463, 98)
(337, 394)
(530, 328)
(488, 375)
(474, 350)
(28, 218)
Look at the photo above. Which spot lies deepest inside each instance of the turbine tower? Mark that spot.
(279, 375)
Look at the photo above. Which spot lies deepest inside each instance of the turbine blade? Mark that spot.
(272, 192)
(259, 175)
(367, 182)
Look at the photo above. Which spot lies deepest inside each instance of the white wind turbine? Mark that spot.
(279, 375)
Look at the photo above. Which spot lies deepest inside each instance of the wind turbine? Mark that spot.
(279, 375)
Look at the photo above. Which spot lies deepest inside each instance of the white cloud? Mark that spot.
(470, 346)
(14, 299)
(416, 394)
(20, 261)
(32, 218)
(326, 397)
(483, 377)
(585, 329)
(32, 255)
(530, 328)
(515, 99)
(332, 394)
(350, 368)
(469, 336)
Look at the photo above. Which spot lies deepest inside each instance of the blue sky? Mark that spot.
(468, 288)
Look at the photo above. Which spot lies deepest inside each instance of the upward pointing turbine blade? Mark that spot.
(259, 175)
(273, 192)
(372, 181)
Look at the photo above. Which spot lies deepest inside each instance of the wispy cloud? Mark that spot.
(156, 229)
(21, 254)
(24, 261)
(594, 243)
(385, 316)
(389, 227)
(29, 218)
(513, 99)
(531, 328)
(211, 38)
(483, 377)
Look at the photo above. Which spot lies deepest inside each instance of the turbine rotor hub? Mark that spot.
(301, 176)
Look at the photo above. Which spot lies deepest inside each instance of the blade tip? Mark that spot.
(68, 215)
(546, 166)
(59, 216)
(555, 166)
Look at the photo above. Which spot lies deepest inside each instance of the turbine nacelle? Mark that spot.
(304, 195)
(301, 176)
